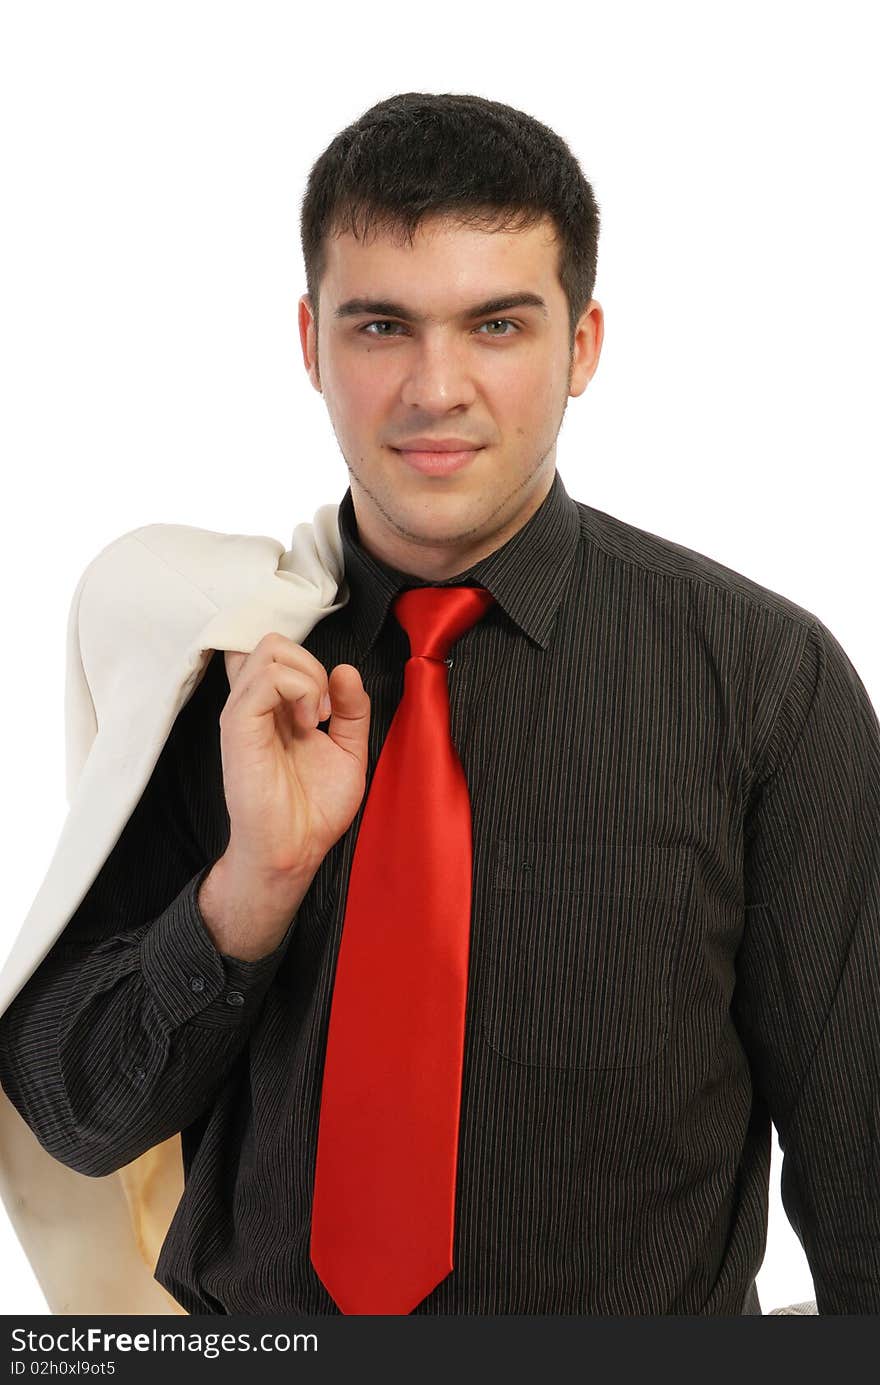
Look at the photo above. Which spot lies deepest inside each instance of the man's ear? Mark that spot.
(307, 331)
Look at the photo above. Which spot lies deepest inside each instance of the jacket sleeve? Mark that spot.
(129, 1026)
(807, 998)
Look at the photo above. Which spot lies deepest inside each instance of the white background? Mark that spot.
(153, 160)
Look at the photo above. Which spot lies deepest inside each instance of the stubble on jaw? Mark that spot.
(446, 540)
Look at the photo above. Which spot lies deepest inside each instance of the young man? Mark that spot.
(473, 980)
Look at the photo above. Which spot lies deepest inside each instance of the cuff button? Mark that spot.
(197, 983)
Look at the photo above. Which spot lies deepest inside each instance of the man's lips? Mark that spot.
(436, 463)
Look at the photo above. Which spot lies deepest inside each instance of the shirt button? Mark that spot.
(235, 998)
(197, 983)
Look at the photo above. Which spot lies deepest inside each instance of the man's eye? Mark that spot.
(386, 322)
(383, 323)
(494, 322)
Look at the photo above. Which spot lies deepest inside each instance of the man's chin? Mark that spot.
(434, 521)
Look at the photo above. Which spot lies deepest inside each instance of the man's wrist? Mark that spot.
(245, 916)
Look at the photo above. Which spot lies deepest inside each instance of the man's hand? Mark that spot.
(291, 789)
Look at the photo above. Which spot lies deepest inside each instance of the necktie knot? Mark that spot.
(435, 617)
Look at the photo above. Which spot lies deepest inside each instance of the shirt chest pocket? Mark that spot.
(582, 949)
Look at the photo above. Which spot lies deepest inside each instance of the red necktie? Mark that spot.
(383, 1211)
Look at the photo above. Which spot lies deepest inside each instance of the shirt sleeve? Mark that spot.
(131, 1023)
(807, 998)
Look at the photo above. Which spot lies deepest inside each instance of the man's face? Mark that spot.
(421, 363)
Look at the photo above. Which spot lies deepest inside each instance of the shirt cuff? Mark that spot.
(190, 979)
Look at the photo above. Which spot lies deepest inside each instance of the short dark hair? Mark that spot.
(420, 154)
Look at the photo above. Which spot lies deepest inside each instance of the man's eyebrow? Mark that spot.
(383, 307)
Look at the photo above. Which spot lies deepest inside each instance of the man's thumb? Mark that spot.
(350, 710)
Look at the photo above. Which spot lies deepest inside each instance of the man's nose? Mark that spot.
(439, 376)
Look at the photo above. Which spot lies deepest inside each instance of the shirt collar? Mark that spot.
(527, 575)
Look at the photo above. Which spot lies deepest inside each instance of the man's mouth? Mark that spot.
(436, 463)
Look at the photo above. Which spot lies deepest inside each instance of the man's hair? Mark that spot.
(421, 154)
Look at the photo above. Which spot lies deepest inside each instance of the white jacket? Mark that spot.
(144, 619)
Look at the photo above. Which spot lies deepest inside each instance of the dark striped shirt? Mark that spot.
(675, 787)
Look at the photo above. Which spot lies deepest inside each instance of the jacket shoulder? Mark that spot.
(139, 607)
(196, 554)
(135, 573)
